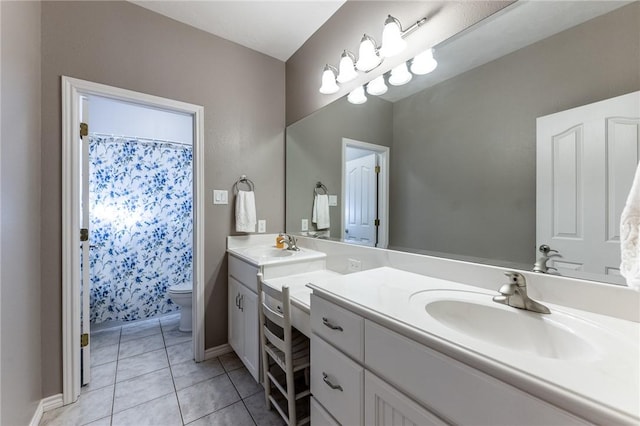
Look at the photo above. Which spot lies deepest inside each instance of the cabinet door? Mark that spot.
(249, 309)
(385, 406)
(235, 317)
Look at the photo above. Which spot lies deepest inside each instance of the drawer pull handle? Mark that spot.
(331, 326)
(237, 302)
(328, 382)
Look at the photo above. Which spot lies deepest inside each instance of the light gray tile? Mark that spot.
(139, 346)
(189, 373)
(141, 364)
(106, 421)
(261, 415)
(231, 361)
(139, 330)
(236, 415)
(173, 336)
(206, 397)
(142, 389)
(244, 382)
(163, 411)
(180, 353)
(90, 406)
(104, 354)
(101, 376)
(105, 338)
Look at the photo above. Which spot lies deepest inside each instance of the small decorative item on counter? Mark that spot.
(280, 241)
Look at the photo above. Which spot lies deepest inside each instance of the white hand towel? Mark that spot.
(320, 215)
(245, 211)
(630, 235)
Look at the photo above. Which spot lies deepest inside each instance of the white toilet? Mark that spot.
(181, 295)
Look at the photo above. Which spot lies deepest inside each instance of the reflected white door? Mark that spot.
(360, 200)
(85, 282)
(586, 160)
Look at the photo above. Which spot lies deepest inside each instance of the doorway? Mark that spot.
(76, 93)
(365, 192)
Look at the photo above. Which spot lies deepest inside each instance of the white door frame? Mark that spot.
(72, 89)
(383, 189)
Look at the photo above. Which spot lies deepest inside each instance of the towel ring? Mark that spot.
(320, 186)
(243, 180)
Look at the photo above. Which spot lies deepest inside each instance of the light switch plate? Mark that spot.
(355, 265)
(304, 226)
(220, 196)
(333, 200)
(262, 225)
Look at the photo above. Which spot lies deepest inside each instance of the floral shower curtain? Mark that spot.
(140, 203)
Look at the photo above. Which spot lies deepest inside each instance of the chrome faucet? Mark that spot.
(291, 242)
(514, 294)
(541, 264)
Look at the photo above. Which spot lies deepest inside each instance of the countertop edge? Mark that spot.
(554, 394)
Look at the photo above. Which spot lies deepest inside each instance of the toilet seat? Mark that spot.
(181, 288)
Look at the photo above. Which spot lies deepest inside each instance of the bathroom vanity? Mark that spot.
(409, 341)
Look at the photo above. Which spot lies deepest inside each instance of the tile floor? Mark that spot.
(144, 374)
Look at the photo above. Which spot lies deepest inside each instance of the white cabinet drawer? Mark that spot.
(457, 392)
(319, 416)
(244, 272)
(344, 329)
(336, 382)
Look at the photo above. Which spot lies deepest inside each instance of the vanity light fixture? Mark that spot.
(368, 57)
(347, 67)
(424, 63)
(329, 85)
(393, 36)
(400, 75)
(357, 96)
(377, 86)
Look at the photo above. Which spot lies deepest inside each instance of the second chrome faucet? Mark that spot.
(514, 294)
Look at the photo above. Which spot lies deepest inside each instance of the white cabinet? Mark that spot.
(385, 406)
(243, 314)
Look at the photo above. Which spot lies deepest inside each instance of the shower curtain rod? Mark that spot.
(141, 138)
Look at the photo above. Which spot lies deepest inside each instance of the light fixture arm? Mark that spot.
(412, 28)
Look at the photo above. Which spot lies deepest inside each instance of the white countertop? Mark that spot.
(298, 291)
(252, 255)
(603, 386)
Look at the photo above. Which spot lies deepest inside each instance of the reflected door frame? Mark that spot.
(382, 153)
(72, 91)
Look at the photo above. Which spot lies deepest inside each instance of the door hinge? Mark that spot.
(84, 340)
(376, 222)
(84, 129)
(377, 169)
(84, 234)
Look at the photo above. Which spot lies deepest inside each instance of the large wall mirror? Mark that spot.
(461, 142)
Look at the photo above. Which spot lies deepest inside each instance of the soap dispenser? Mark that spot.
(280, 241)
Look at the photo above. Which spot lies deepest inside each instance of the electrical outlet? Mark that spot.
(355, 265)
(262, 225)
(304, 225)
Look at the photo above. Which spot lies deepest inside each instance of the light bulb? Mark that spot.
(400, 75)
(377, 86)
(357, 96)
(347, 68)
(329, 85)
(424, 63)
(392, 41)
(368, 57)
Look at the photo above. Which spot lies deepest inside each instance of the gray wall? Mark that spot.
(468, 144)
(242, 91)
(314, 153)
(20, 212)
(344, 31)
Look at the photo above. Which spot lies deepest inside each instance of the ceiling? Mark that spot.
(275, 28)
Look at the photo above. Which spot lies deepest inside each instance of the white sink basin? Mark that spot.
(267, 252)
(476, 316)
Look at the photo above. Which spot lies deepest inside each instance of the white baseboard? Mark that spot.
(46, 404)
(217, 351)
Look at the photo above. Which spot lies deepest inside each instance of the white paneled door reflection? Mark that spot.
(361, 200)
(586, 160)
